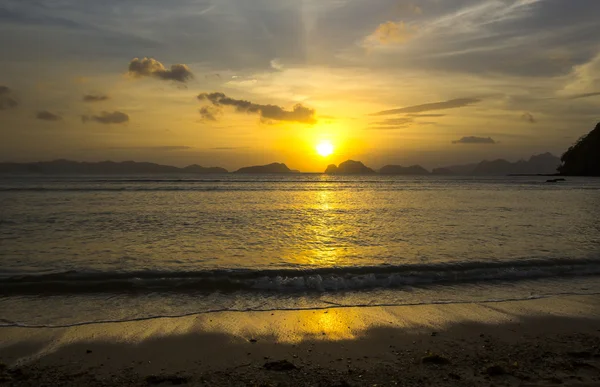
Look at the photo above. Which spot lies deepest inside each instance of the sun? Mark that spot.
(325, 148)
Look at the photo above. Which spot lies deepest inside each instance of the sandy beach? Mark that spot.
(534, 342)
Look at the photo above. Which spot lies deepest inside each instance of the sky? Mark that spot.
(233, 83)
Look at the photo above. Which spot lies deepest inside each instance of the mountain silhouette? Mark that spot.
(543, 164)
(349, 167)
(60, 167)
(270, 168)
(583, 158)
(413, 170)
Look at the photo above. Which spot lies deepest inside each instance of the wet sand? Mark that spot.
(553, 341)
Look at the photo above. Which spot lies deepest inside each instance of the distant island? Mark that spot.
(544, 164)
(583, 158)
(413, 170)
(349, 167)
(274, 168)
(60, 167)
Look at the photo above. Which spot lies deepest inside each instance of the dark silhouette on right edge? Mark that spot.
(583, 158)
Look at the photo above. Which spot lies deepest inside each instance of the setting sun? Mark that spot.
(325, 148)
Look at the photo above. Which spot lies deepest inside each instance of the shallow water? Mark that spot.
(142, 246)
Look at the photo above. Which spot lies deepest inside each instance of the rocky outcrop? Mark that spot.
(583, 158)
(274, 168)
(349, 167)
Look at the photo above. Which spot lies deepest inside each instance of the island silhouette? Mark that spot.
(581, 159)
(60, 167)
(540, 164)
(349, 167)
(273, 168)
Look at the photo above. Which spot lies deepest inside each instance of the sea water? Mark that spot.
(80, 249)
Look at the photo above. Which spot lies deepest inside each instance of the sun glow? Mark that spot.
(325, 148)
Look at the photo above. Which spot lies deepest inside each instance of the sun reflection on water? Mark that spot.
(321, 231)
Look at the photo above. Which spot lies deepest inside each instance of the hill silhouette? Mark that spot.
(583, 158)
(349, 167)
(543, 164)
(270, 168)
(413, 170)
(60, 167)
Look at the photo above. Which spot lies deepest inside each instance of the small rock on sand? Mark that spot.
(495, 370)
(433, 358)
(580, 354)
(281, 365)
(172, 379)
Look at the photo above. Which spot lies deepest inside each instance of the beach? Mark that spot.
(547, 341)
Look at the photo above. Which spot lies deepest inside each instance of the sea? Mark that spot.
(83, 249)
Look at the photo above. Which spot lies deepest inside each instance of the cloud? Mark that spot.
(298, 114)
(94, 98)
(396, 121)
(150, 67)
(450, 104)
(209, 113)
(529, 118)
(45, 115)
(584, 95)
(115, 117)
(230, 147)
(276, 65)
(426, 115)
(166, 148)
(7, 100)
(475, 140)
(391, 33)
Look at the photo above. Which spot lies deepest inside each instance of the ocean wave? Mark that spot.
(332, 279)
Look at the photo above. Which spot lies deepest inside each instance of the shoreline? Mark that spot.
(540, 341)
(307, 309)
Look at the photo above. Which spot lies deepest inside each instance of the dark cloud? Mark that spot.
(209, 113)
(585, 95)
(150, 67)
(7, 101)
(47, 116)
(475, 140)
(451, 104)
(403, 122)
(273, 112)
(385, 127)
(169, 148)
(166, 148)
(230, 147)
(529, 118)
(107, 118)
(426, 115)
(393, 123)
(397, 121)
(95, 98)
